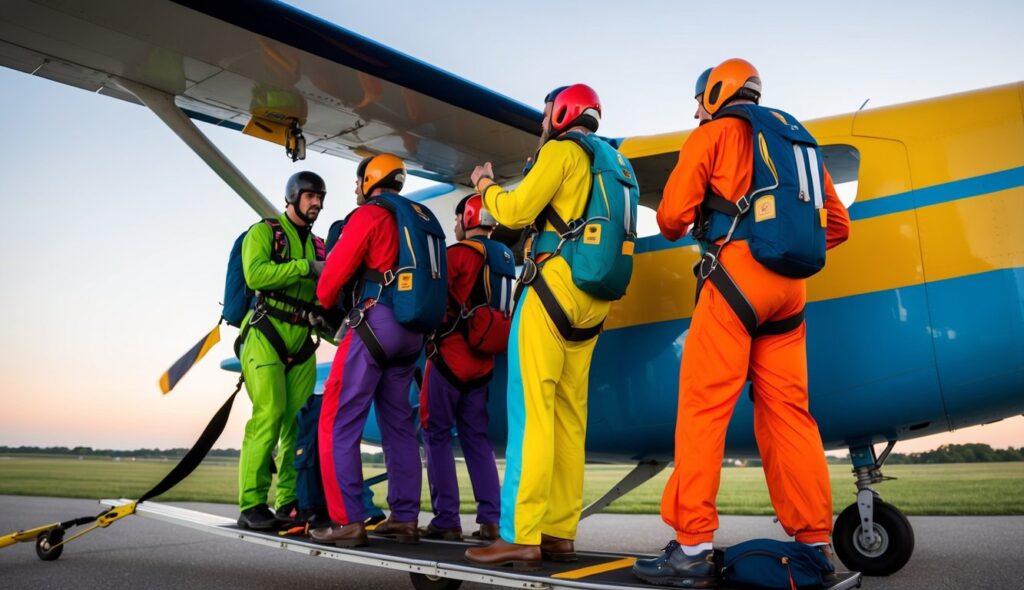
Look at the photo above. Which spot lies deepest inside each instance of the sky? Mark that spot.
(117, 234)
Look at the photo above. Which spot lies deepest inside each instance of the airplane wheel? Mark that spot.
(425, 582)
(45, 542)
(892, 549)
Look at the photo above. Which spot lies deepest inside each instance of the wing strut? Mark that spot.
(643, 471)
(162, 105)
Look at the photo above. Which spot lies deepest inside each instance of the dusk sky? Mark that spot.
(117, 235)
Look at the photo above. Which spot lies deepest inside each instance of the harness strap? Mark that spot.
(263, 324)
(463, 386)
(782, 326)
(557, 314)
(372, 343)
(711, 268)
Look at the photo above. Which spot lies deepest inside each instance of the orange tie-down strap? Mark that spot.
(593, 570)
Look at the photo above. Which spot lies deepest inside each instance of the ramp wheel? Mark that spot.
(426, 582)
(888, 554)
(45, 542)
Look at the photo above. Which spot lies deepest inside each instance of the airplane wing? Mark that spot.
(259, 66)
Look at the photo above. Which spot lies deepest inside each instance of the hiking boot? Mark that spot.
(675, 568)
(314, 518)
(433, 532)
(488, 532)
(557, 549)
(349, 535)
(403, 532)
(524, 558)
(258, 518)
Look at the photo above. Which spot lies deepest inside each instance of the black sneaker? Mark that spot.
(258, 518)
(675, 568)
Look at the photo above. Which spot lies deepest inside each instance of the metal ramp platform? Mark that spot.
(432, 564)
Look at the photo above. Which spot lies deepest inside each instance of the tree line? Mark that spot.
(963, 453)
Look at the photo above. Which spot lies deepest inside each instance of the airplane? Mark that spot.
(915, 327)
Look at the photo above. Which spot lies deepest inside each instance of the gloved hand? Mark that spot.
(316, 267)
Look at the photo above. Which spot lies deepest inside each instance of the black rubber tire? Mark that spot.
(425, 582)
(896, 547)
(49, 538)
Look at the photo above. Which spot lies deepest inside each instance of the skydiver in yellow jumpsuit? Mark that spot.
(542, 493)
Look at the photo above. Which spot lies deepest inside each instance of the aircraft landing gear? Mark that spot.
(871, 536)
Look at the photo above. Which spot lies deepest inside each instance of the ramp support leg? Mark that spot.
(643, 471)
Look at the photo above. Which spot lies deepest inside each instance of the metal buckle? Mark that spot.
(355, 317)
(575, 228)
(529, 273)
(743, 204)
(714, 264)
(389, 277)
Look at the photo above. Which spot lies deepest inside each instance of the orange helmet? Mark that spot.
(381, 171)
(574, 105)
(731, 79)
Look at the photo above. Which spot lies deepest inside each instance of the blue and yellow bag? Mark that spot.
(417, 288)
(598, 246)
(783, 216)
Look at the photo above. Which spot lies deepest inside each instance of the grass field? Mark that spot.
(965, 489)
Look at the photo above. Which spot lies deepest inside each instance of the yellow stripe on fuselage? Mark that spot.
(959, 238)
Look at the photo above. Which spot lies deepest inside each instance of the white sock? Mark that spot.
(818, 544)
(695, 550)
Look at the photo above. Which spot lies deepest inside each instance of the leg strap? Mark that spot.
(557, 314)
(464, 387)
(372, 343)
(270, 333)
(710, 268)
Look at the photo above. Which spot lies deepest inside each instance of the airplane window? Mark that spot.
(843, 163)
(646, 222)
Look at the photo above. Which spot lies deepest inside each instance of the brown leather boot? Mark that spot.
(349, 535)
(488, 532)
(433, 532)
(524, 558)
(558, 549)
(403, 532)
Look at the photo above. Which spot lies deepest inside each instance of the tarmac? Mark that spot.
(950, 552)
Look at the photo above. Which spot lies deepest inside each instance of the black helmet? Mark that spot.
(304, 182)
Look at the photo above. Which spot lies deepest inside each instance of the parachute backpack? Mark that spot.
(783, 217)
(486, 317)
(599, 245)
(417, 288)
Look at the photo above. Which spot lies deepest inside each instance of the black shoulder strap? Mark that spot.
(281, 251)
(548, 213)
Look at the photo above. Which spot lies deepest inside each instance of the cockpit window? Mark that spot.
(843, 163)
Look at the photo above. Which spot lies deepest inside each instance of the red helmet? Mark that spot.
(473, 213)
(574, 105)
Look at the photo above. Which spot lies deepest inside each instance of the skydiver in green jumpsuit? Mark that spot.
(281, 260)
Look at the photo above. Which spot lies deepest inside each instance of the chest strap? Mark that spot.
(711, 268)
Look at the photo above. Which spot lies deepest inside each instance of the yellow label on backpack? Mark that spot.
(823, 215)
(592, 234)
(764, 208)
(627, 248)
(405, 281)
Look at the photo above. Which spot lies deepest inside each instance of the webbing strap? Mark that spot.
(270, 333)
(783, 326)
(372, 344)
(464, 387)
(739, 303)
(198, 452)
(735, 298)
(557, 314)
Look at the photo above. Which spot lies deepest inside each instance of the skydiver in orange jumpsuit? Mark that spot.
(721, 354)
